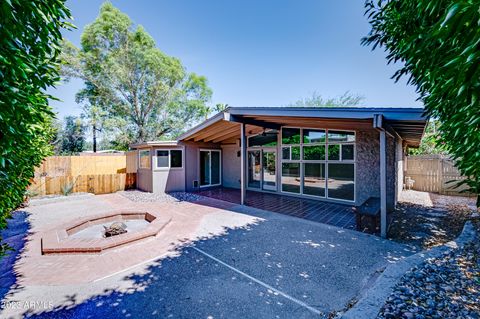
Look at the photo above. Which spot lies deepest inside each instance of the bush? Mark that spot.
(29, 47)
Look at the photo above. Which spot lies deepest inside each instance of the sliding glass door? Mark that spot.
(210, 168)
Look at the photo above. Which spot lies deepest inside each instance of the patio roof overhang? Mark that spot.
(406, 123)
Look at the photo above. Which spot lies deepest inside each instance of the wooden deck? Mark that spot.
(318, 211)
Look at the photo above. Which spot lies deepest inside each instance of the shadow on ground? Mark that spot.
(15, 236)
(320, 266)
(423, 227)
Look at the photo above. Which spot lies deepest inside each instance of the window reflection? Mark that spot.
(314, 179)
(291, 177)
(341, 181)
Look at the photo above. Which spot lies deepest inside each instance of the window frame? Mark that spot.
(325, 161)
(169, 167)
(211, 150)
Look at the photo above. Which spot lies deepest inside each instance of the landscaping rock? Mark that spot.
(444, 287)
(173, 197)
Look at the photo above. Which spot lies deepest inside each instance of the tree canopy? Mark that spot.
(317, 100)
(125, 74)
(70, 137)
(438, 43)
(30, 43)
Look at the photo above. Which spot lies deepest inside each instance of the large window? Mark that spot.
(169, 159)
(318, 162)
(144, 159)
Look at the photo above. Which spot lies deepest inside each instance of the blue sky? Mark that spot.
(259, 53)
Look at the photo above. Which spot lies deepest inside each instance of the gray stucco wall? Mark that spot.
(231, 163)
(368, 167)
(168, 180)
(144, 180)
(192, 163)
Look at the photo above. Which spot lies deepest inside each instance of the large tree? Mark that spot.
(317, 100)
(135, 81)
(30, 42)
(71, 136)
(438, 43)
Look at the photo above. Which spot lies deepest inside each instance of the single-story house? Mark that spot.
(338, 154)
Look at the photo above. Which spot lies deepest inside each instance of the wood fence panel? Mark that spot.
(433, 173)
(92, 174)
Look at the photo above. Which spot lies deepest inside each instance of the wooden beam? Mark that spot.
(226, 137)
(206, 134)
(206, 130)
(222, 133)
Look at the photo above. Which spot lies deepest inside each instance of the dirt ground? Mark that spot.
(423, 220)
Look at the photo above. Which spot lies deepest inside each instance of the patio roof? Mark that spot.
(408, 123)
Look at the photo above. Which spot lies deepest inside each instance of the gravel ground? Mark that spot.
(446, 287)
(174, 197)
(424, 220)
(435, 200)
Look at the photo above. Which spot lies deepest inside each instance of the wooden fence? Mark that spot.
(434, 173)
(92, 174)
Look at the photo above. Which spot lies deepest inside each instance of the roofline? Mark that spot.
(153, 143)
(389, 113)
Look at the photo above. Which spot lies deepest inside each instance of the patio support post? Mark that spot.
(243, 160)
(383, 184)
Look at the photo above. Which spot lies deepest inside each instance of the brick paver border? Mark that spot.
(59, 240)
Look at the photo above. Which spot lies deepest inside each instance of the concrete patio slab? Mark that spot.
(251, 263)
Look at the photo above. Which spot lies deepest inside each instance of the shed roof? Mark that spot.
(153, 143)
(408, 123)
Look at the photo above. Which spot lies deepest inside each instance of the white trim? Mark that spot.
(219, 169)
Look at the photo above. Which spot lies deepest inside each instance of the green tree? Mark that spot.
(136, 82)
(317, 100)
(430, 143)
(71, 137)
(30, 42)
(94, 110)
(438, 43)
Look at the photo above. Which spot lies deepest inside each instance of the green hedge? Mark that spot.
(30, 41)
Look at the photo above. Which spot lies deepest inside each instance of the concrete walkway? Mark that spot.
(273, 266)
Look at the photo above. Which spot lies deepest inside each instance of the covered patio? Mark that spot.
(334, 214)
(314, 163)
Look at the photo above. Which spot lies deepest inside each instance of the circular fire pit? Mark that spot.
(88, 235)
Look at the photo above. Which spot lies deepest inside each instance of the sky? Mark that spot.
(259, 53)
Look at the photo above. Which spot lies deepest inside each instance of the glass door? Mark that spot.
(254, 171)
(269, 172)
(210, 168)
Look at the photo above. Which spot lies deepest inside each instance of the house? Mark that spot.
(341, 154)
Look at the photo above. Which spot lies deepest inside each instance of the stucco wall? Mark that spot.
(192, 163)
(231, 163)
(144, 180)
(368, 167)
(168, 180)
